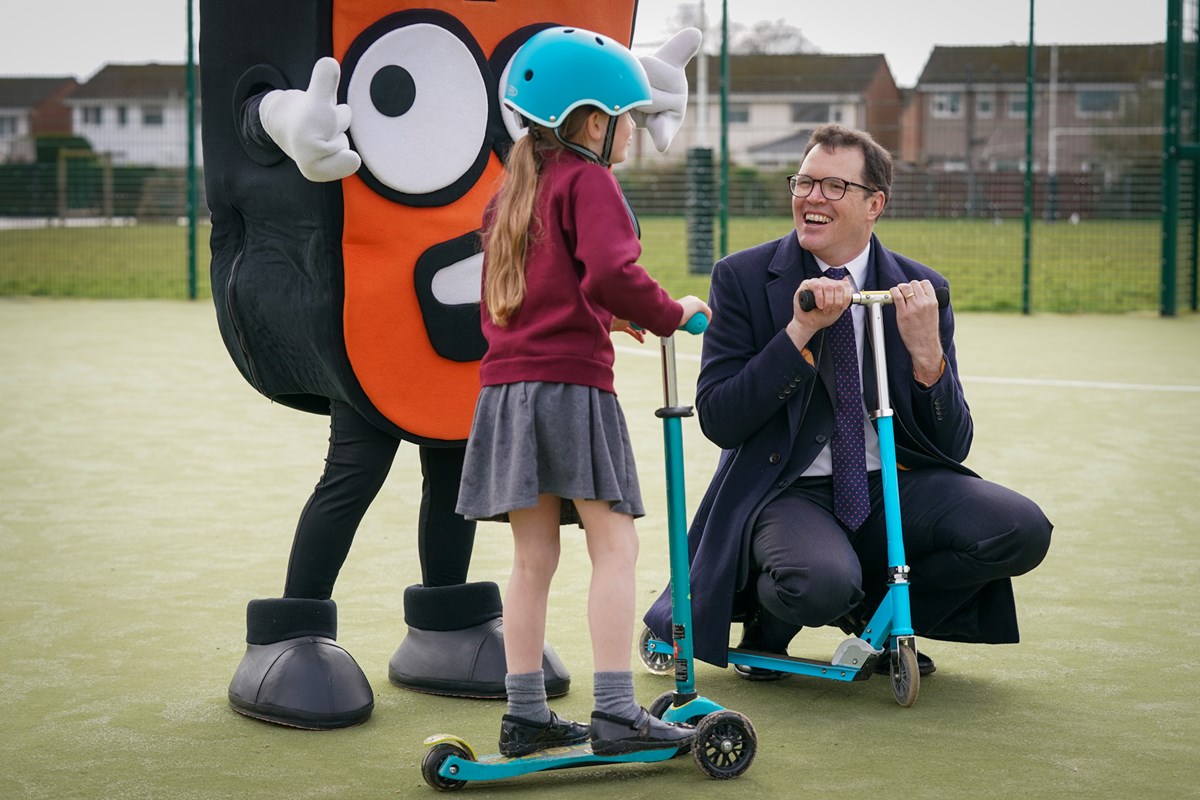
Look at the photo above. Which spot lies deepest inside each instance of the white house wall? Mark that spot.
(134, 144)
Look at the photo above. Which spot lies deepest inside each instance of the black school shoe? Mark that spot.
(521, 737)
(613, 736)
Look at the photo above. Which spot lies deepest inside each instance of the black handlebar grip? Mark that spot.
(807, 303)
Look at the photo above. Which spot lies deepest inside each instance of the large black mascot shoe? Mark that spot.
(455, 644)
(294, 673)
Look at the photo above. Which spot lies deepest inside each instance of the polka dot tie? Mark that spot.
(851, 499)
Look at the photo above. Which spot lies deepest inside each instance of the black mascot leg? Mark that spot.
(455, 640)
(293, 672)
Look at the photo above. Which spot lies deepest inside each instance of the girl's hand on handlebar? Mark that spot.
(625, 326)
(693, 305)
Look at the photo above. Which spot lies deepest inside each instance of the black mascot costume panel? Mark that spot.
(350, 148)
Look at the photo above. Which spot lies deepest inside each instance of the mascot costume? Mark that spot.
(350, 147)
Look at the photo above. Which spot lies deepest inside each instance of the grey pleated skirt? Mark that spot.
(538, 438)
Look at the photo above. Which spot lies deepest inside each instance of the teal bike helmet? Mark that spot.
(561, 69)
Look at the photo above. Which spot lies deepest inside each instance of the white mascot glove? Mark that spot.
(310, 126)
(668, 87)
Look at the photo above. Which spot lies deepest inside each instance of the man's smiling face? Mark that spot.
(835, 230)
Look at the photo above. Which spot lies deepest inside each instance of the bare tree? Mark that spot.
(767, 37)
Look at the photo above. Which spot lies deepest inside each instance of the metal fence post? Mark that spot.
(191, 155)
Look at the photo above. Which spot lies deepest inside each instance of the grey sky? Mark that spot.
(77, 37)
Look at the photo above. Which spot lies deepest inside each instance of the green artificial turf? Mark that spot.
(147, 493)
(1100, 266)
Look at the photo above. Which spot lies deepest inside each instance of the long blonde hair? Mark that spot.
(514, 225)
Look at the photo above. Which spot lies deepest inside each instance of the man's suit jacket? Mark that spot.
(771, 410)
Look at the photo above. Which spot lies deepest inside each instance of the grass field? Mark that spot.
(1098, 266)
(147, 493)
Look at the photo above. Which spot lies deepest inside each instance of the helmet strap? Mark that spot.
(577, 148)
(603, 159)
(608, 142)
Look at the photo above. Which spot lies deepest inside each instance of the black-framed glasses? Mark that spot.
(831, 188)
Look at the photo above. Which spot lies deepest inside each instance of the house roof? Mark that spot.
(789, 145)
(798, 72)
(136, 81)
(29, 92)
(1077, 63)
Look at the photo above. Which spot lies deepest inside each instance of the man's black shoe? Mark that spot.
(758, 673)
(883, 666)
(854, 621)
(612, 736)
(753, 638)
(521, 737)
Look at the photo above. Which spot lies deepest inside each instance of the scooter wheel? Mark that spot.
(658, 663)
(434, 758)
(906, 675)
(661, 704)
(725, 744)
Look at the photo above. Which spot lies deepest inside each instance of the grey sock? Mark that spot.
(614, 694)
(527, 695)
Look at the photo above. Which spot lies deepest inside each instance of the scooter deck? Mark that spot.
(801, 666)
(496, 767)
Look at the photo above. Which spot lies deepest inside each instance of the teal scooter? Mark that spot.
(725, 742)
(855, 658)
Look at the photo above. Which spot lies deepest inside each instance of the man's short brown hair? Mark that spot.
(877, 162)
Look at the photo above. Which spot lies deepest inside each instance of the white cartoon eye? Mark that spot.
(420, 105)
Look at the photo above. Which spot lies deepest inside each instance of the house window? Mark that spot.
(985, 105)
(810, 112)
(152, 116)
(1097, 103)
(8, 126)
(93, 115)
(739, 112)
(947, 105)
(1016, 106)
(122, 116)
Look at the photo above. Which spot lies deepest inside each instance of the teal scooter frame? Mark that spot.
(725, 743)
(855, 658)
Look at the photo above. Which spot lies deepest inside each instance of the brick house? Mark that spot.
(31, 107)
(775, 102)
(967, 110)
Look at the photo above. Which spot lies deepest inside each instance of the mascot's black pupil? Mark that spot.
(393, 91)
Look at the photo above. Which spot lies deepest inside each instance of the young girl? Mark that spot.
(549, 443)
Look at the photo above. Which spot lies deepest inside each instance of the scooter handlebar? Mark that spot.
(808, 303)
(696, 324)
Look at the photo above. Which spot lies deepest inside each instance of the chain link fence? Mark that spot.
(82, 215)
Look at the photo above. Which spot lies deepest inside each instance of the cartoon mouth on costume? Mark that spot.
(447, 280)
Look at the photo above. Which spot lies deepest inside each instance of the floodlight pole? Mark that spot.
(1030, 68)
(190, 97)
(723, 202)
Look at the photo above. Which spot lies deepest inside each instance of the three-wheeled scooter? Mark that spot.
(725, 742)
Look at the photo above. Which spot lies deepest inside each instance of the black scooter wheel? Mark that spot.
(906, 674)
(661, 704)
(434, 758)
(658, 663)
(725, 744)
